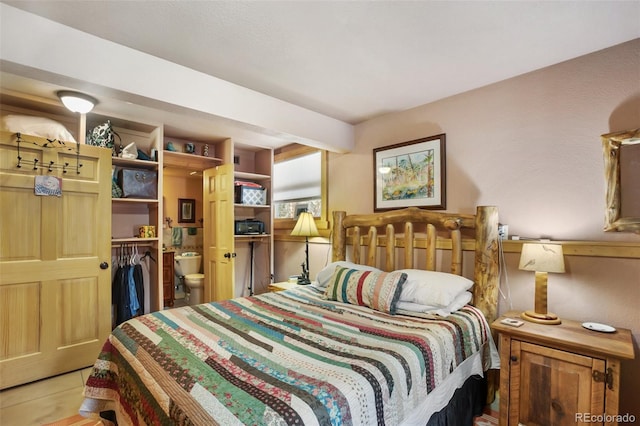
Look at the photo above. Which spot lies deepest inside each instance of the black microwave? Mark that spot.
(249, 226)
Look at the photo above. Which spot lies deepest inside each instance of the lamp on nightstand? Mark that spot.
(541, 258)
(305, 227)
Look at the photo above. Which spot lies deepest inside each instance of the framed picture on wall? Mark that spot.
(301, 208)
(186, 210)
(410, 174)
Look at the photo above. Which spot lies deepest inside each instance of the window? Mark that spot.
(299, 184)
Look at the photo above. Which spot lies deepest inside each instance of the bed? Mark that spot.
(350, 349)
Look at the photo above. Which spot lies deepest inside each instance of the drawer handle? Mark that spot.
(514, 358)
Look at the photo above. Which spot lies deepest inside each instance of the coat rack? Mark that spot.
(53, 144)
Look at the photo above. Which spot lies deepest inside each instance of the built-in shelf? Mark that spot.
(251, 176)
(189, 161)
(140, 164)
(620, 249)
(134, 200)
(252, 237)
(253, 206)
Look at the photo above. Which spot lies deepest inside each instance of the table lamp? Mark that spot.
(541, 258)
(305, 227)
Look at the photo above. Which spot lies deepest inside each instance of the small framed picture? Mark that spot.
(410, 174)
(301, 208)
(186, 210)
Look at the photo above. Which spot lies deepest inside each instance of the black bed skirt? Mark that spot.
(468, 402)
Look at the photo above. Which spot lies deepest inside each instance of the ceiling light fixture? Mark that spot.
(76, 101)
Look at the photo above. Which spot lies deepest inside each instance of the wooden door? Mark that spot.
(219, 233)
(551, 387)
(55, 300)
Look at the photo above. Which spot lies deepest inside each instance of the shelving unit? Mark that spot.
(254, 261)
(189, 161)
(126, 231)
(128, 214)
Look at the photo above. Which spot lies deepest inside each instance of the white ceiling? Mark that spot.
(354, 60)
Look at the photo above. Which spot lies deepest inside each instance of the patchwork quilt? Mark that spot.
(290, 357)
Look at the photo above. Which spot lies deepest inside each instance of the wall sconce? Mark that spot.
(76, 101)
(305, 227)
(541, 258)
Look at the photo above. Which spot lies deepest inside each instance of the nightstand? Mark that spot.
(285, 285)
(559, 374)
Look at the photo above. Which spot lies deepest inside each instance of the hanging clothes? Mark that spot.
(134, 286)
(120, 295)
(138, 278)
(127, 291)
(146, 279)
(133, 295)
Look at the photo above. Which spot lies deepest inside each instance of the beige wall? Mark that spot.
(531, 146)
(176, 187)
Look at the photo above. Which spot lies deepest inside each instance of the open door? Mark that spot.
(55, 280)
(219, 254)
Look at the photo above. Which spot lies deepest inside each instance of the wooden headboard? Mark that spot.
(425, 230)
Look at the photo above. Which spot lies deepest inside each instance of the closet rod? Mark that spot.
(132, 243)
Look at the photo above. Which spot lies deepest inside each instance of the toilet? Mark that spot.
(187, 265)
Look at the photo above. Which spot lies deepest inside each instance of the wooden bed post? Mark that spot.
(338, 246)
(487, 278)
(487, 285)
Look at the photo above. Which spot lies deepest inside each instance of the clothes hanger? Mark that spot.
(148, 254)
(134, 257)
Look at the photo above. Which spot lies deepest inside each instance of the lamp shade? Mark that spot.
(306, 226)
(542, 258)
(76, 101)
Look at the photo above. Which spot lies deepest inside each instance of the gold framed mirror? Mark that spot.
(622, 175)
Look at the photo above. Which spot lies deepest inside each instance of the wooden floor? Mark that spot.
(48, 400)
(42, 402)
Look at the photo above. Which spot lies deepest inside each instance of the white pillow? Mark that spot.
(36, 126)
(457, 304)
(324, 276)
(432, 288)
